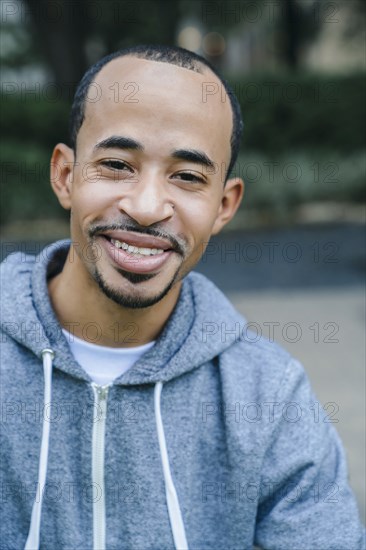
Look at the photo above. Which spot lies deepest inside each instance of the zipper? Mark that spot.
(100, 409)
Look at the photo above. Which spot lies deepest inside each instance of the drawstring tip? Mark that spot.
(48, 351)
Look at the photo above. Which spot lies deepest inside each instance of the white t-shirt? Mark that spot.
(104, 364)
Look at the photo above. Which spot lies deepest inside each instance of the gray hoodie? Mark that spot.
(212, 440)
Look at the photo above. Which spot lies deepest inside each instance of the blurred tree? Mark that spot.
(61, 36)
(67, 36)
(293, 23)
(292, 41)
(78, 33)
(356, 20)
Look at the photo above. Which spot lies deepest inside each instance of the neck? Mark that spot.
(84, 310)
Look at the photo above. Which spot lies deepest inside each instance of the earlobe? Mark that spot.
(230, 202)
(61, 171)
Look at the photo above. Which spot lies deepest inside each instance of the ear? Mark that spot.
(230, 201)
(62, 173)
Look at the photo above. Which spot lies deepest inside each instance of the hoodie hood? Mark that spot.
(28, 318)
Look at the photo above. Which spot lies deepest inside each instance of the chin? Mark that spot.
(138, 296)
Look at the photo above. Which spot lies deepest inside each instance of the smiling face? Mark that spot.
(147, 189)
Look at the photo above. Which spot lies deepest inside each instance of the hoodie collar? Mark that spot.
(180, 348)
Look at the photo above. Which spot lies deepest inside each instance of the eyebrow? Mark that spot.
(192, 155)
(123, 142)
(119, 142)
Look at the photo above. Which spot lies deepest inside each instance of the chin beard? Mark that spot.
(133, 302)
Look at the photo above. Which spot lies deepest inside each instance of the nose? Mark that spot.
(147, 201)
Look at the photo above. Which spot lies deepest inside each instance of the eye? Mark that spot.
(190, 177)
(116, 165)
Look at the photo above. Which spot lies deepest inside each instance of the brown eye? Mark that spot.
(116, 165)
(190, 177)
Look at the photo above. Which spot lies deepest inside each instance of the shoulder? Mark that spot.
(257, 367)
(250, 364)
(15, 275)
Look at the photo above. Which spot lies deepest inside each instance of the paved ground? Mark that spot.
(310, 280)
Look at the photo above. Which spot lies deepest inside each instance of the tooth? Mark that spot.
(144, 251)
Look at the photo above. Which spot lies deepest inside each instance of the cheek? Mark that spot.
(198, 218)
(90, 202)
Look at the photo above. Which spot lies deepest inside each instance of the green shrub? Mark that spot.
(304, 111)
(34, 121)
(25, 189)
(281, 182)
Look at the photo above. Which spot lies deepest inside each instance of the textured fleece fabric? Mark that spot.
(250, 460)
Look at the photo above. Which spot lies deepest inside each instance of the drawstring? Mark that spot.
(175, 515)
(35, 525)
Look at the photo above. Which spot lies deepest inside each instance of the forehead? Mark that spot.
(139, 97)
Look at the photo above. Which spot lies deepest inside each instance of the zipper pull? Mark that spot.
(101, 391)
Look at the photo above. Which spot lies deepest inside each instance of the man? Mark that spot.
(144, 429)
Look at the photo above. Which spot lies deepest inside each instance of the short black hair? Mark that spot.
(166, 54)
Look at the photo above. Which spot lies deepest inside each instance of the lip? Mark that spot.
(135, 263)
(138, 239)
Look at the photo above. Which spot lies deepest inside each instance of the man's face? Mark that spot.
(139, 180)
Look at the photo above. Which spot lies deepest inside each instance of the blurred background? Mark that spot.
(293, 258)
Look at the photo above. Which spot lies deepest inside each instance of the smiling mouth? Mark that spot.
(130, 258)
(136, 250)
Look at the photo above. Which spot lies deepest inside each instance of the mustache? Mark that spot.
(178, 244)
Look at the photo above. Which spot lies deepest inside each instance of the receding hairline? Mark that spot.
(200, 68)
(196, 65)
